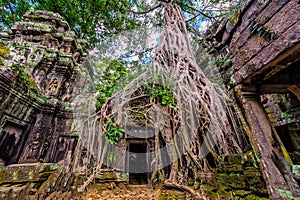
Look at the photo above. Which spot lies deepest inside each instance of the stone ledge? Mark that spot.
(26, 172)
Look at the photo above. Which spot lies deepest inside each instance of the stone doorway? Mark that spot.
(138, 163)
(11, 142)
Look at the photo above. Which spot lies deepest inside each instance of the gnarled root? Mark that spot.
(86, 183)
(193, 192)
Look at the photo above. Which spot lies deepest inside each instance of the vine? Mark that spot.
(195, 123)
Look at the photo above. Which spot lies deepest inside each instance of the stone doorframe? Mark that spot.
(138, 141)
(24, 127)
(276, 171)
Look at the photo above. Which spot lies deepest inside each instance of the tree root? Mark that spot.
(196, 195)
(186, 131)
(86, 183)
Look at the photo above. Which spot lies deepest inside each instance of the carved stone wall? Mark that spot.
(258, 57)
(256, 41)
(38, 81)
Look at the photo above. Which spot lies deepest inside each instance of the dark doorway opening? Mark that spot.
(11, 142)
(138, 163)
(290, 137)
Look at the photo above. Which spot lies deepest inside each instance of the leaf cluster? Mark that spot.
(92, 19)
(113, 77)
(163, 95)
(221, 60)
(23, 77)
(13, 10)
(89, 19)
(113, 133)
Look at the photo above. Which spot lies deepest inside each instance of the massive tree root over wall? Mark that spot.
(178, 110)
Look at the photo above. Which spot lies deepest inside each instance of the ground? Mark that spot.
(113, 192)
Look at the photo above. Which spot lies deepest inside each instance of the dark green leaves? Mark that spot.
(163, 95)
(89, 19)
(112, 77)
(12, 11)
(113, 133)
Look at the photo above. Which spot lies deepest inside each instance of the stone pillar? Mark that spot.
(277, 174)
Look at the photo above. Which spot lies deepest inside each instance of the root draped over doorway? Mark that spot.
(189, 132)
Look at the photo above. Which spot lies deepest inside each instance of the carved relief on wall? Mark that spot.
(52, 87)
(35, 57)
(68, 47)
(40, 79)
(45, 148)
(39, 141)
(64, 144)
(49, 41)
(35, 146)
(67, 91)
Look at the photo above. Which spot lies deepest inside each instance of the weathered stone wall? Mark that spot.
(262, 33)
(235, 177)
(252, 49)
(17, 110)
(257, 53)
(38, 81)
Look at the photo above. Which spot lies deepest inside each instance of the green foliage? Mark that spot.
(13, 10)
(221, 60)
(85, 17)
(113, 133)
(286, 194)
(23, 78)
(3, 52)
(113, 76)
(90, 19)
(163, 95)
(263, 1)
(22, 75)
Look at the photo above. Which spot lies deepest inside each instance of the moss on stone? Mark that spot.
(15, 175)
(164, 195)
(106, 176)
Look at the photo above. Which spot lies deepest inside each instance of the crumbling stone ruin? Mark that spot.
(257, 55)
(37, 83)
(258, 58)
(39, 79)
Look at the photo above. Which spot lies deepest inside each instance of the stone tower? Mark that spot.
(38, 81)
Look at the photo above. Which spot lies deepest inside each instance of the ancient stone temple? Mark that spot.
(37, 82)
(44, 73)
(258, 53)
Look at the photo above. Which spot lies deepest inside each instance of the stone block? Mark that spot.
(122, 177)
(236, 181)
(252, 172)
(233, 168)
(106, 177)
